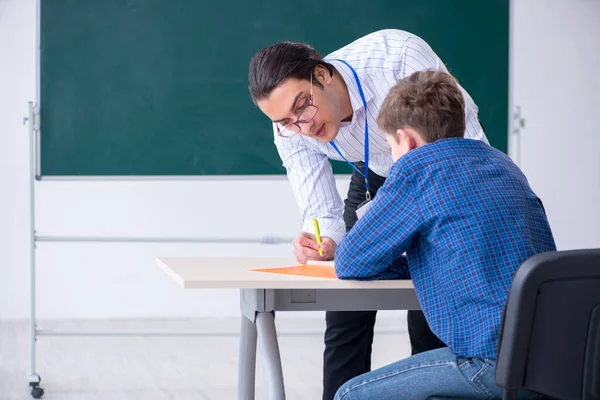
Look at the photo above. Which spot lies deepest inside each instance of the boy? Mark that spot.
(466, 217)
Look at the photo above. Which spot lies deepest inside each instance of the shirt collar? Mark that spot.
(352, 86)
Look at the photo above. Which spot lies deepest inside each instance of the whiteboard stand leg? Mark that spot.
(34, 378)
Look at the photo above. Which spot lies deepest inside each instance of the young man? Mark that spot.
(325, 108)
(466, 217)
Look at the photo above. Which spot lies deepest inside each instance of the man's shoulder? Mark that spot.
(371, 40)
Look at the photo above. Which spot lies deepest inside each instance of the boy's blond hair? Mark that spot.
(430, 102)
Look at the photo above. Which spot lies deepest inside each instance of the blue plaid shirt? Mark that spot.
(466, 217)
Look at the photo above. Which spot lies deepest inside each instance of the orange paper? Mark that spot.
(317, 271)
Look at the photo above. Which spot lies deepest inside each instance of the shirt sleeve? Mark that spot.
(311, 177)
(417, 55)
(374, 248)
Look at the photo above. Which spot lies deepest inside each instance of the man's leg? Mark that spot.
(421, 337)
(436, 373)
(348, 334)
(348, 340)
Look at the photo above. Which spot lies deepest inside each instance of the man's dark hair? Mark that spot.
(276, 63)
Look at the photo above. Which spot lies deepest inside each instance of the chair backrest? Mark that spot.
(550, 335)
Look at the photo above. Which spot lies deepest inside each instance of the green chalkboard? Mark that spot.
(156, 87)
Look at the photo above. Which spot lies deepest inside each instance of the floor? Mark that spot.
(170, 367)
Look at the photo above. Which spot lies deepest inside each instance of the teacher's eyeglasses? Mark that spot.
(307, 113)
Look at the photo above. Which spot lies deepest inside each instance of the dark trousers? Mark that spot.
(349, 334)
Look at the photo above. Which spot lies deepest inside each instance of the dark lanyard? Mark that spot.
(365, 174)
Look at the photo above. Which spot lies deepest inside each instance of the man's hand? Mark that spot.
(306, 248)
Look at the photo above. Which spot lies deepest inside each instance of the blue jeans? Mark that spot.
(433, 373)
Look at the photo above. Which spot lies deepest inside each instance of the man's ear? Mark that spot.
(322, 74)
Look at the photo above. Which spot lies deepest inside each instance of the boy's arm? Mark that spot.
(374, 246)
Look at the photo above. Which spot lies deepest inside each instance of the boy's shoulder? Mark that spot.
(445, 152)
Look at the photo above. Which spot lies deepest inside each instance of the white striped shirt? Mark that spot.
(380, 59)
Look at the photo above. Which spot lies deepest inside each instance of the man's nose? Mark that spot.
(305, 127)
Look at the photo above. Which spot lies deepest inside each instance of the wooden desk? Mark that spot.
(261, 294)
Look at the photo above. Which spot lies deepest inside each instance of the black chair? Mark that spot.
(550, 331)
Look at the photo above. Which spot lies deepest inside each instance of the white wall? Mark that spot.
(17, 85)
(115, 280)
(556, 83)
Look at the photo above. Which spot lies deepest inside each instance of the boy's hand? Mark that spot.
(306, 248)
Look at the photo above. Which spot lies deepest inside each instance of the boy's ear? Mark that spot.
(398, 135)
(401, 134)
(408, 136)
(405, 136)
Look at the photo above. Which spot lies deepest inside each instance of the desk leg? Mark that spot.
(267, 335)
(247, 360)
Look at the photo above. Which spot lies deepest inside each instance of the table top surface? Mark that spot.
(235, 272)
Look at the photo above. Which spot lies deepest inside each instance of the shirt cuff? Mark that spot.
(334, 234)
